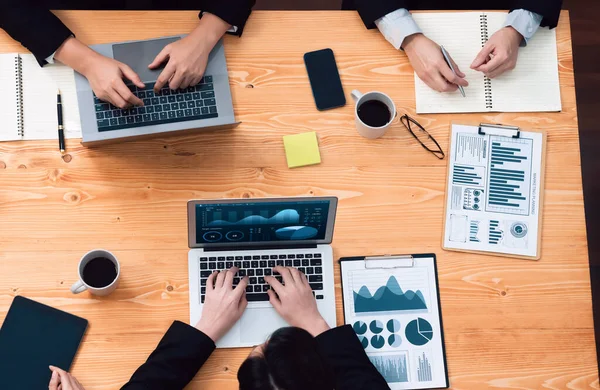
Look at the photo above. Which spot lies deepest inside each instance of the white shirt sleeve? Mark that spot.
(525, 22)
(232, 30)
(396, 26)
(50, 59)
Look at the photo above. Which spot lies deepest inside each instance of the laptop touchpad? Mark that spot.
(138, 55)
(258, 324)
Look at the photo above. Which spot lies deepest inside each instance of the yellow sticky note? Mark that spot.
(301, 149)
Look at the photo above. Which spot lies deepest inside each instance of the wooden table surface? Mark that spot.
(509, 323)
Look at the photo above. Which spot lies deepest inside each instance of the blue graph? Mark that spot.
(287, 217)
(464, 174)
(424, 373)
(393, 368)
(296, 233)
(510, 172)
(473, 231)
(390, 297)
(495, 232)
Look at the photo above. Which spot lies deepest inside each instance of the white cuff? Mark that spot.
(525, 22)
(50, 59)
(396, 26)
(232, 29)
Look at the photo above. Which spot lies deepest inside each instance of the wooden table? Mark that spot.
(508, 323)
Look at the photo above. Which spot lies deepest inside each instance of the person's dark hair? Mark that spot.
(290, 361)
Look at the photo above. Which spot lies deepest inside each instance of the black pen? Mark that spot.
(61, 130)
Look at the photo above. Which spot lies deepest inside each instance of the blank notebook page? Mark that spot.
(40, 85)
(8, 98)
(533, 85)
(460, 35)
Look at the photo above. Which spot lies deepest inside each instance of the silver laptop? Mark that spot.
(257, 235)
(206, 105)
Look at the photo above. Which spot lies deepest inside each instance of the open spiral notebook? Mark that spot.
(28, 99)
(531, 87)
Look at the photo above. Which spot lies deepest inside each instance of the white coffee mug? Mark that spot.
(364, 129)
(80, 286)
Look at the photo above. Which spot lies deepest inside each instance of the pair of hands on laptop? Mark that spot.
(186, 61)
(497, 56)
(293, 300)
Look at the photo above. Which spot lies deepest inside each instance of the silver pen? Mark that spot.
(447, 58)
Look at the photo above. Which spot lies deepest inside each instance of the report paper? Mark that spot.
(493, 192)
(394, 310)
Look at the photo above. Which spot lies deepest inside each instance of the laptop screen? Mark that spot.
(262, 222)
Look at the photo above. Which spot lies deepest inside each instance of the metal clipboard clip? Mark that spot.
(383, 262)
(492, 129)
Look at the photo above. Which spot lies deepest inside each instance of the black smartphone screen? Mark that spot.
(324, 79)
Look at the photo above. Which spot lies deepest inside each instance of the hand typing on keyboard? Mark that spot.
(224, 304)
(187, 57)
(104, 74)
(294, 300)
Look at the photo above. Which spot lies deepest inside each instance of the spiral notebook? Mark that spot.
(533, 86)
(28, 99)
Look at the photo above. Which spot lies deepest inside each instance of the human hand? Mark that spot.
(106, 78)
(223, 305)
(295, 301)
(187, 57)
(62, 380)
(428, 62)
(104, 74)
(499, 54)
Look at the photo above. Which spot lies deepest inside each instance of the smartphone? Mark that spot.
(324, 79)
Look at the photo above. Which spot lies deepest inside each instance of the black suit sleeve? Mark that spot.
(345, 355)
(38, 29)
(371, 10)
(549, 9)
(175, 361)
(234, 12)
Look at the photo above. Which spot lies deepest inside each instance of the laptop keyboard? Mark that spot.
(164, 106)
(257, 266)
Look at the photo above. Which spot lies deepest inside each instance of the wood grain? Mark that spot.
(509, 323)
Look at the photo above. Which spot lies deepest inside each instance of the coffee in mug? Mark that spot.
(99, 273)
(374, 113)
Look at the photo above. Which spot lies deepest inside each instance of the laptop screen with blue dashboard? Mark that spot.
(281, 221)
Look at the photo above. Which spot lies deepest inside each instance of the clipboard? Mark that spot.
(409, 336)
(500, 224)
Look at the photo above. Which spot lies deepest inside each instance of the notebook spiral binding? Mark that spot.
(487, 83)
(19, 88)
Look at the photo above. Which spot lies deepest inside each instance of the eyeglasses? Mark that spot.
(424, 138)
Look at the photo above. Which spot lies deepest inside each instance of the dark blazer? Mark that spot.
(371, 10)
(184, 349)
(40, 31)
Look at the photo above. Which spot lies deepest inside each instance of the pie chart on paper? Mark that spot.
(419, 332)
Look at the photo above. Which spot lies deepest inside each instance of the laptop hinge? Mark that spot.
(258, 248)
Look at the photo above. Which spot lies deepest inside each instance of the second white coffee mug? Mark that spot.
(364, 129)
(100, 279)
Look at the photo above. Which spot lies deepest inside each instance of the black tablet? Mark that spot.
(34, 336)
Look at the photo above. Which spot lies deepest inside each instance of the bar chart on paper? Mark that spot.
(510, 175)
(424, 368)
(392, 367)
(465, 174)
